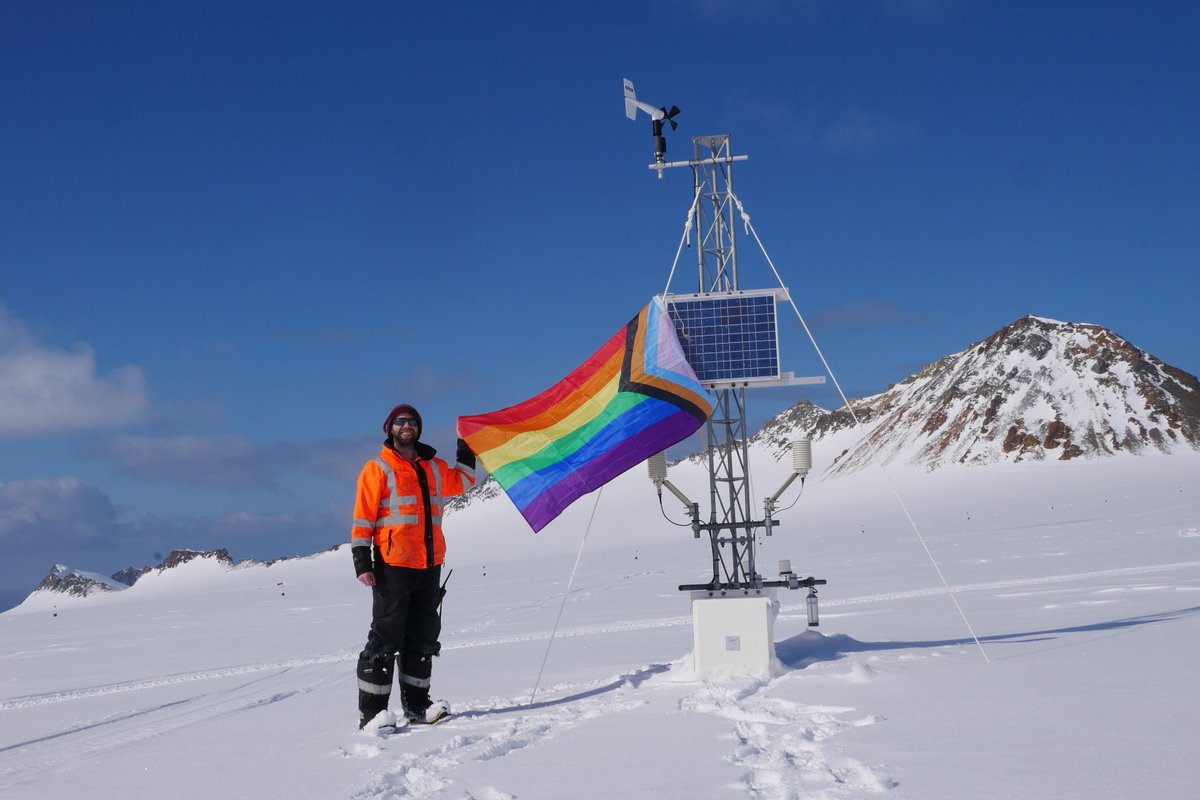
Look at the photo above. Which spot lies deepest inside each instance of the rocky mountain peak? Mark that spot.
(179, 557)
(76, 583)
(61, 579)
(1035, 389)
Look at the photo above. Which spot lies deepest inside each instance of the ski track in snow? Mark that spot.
(589, 630)
(169, 680)
(780, 746)
(68, 749)
(982, 587)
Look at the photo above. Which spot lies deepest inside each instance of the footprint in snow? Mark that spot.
(782, 744)
(360, 751)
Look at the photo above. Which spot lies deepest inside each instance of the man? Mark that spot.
(398, 549)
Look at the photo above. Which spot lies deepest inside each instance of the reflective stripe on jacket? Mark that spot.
(398, 506)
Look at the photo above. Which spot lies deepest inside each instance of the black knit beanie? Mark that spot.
(402, 410)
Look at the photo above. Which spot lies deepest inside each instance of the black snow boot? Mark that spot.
(374, 685)
(414, 684)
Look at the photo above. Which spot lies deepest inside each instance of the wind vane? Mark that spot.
(657, 115)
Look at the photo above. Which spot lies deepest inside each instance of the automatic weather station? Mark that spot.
(730, 337)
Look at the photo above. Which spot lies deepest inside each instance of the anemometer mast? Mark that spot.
(730, 337)
(713, 213)
(731, 528)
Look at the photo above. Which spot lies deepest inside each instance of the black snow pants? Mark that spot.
(404, 631)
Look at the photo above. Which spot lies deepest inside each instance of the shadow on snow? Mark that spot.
(631, 679)
(811, 647)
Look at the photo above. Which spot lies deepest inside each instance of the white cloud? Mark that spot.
(42, 515)
(865, 315)
(225, 462)
(228, 461)
(859, 130)
(70, 521)
(43, 390)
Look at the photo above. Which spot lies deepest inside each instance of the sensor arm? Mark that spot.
(683, 498)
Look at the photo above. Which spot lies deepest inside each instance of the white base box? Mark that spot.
(734, 633)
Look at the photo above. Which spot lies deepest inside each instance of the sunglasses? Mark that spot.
(400, 422)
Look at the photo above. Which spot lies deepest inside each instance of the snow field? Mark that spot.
(1078, 578)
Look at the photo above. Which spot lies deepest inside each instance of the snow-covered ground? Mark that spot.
(1081, 579)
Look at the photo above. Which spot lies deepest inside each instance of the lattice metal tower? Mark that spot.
(730, 337)
(730, 527)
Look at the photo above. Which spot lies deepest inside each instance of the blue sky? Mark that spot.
(234, 235)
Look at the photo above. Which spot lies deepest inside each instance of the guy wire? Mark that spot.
(854, 416)
(566, 594)
(687, 229)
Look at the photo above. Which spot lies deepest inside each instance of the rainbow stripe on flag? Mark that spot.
(636, 396)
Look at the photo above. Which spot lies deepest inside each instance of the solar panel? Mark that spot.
(728, 337)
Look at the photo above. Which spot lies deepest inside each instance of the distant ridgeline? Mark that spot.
(76, 583)
(1036, 389)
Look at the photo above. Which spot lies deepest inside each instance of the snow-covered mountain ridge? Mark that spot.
(1036, 389)
(63, 580)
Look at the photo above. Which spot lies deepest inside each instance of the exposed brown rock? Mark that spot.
(1034, 389)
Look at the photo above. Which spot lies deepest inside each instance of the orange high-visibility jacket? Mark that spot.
(398, 506)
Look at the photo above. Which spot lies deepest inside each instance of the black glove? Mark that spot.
(362, 559)
(464, 455)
